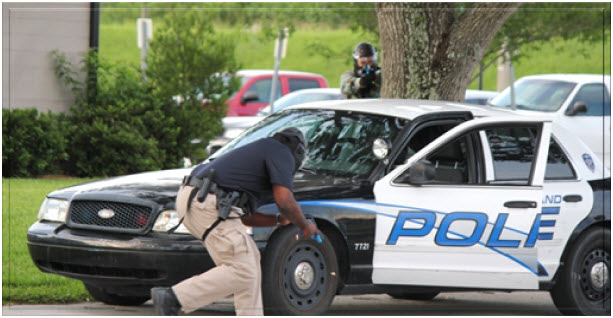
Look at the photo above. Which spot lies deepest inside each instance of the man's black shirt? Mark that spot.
(253, 169)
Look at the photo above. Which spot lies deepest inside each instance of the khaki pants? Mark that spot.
(234, 252)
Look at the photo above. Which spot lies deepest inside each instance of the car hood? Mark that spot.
(161, 187)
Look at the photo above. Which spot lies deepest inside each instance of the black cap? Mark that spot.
(293, 138)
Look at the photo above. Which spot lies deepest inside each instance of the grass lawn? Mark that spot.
(22, 281)
(558, 56)
(118, 43)
(328, 52)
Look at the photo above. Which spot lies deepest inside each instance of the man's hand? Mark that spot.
(368, 77)
(310, 230)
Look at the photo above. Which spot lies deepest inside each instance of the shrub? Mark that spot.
(32, 143)
(122, 124)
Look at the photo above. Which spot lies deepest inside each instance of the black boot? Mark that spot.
(165, 301)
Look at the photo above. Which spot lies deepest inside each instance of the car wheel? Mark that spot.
(299, 277)
(102, 295)
(414, 296)
(584, 285)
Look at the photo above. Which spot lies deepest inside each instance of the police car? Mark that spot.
(412, 197)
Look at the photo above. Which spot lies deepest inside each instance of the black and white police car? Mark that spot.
(413, 198)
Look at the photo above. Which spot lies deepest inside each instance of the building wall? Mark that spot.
(30, 32)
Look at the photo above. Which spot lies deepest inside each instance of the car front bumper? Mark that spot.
(126, 264)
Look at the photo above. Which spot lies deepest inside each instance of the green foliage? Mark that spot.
(32, 143)
(108, 133)
(310, 48)
(187, 58)
(538, 23)
(22, 281)
(121, 124)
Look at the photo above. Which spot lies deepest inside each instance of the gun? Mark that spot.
(368, 74)
(206, 186)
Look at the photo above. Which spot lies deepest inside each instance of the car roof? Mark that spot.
(474, 93)
(577, 78)
(404, 108)
(251, 73)
(316, 90)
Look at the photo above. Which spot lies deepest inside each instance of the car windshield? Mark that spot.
(535, 94)
(299, 98)
(339, 142)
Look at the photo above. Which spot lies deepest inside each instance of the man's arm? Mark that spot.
(349, 84)
(290, 209)
(258, 219)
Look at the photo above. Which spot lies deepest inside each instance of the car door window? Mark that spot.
(513, 152)
(262, 88)
(451, 163)
(558, 166)
(421, 138)
(302, 83)
(597, 99)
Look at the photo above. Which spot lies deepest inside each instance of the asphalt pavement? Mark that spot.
(445, 304)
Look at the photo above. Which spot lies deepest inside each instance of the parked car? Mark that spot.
(580, 102)
(234, 126)
(412, 197)
(478, 97)
(256, 89)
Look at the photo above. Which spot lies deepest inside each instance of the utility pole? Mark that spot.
(279, 53)
(144, 28)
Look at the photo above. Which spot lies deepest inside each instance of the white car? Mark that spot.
(478, 97)
(580, 102)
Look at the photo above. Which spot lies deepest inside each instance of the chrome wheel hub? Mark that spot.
(599, 275)
(304, 275)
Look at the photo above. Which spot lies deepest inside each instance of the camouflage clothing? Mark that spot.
(350, 86)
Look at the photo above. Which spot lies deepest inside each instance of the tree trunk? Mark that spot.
(431, 50)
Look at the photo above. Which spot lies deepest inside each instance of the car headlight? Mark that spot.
(167, 220)
(53, 210)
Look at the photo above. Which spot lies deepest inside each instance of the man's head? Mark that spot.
(364, 54)
(293, 138)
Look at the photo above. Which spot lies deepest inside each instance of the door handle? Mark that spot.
(520, 204)
(572, 198)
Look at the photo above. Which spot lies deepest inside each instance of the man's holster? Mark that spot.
(227, 201)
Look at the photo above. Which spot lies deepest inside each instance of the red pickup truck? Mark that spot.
(254, 93)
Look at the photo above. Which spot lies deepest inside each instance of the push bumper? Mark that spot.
(126, 263)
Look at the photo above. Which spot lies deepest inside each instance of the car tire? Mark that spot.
(413, 296)
(584, 283)
(299, 277)
(102, 295)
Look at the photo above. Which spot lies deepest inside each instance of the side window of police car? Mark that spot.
(453, 163)
(513, 150)
(558, 166)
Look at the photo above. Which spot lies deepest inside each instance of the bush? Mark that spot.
(123, 124)
(32, 143)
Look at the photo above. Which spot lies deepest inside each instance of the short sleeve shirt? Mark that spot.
(253, 169)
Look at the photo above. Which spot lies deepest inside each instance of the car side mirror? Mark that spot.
(249, 96)
(578, 107)
(419, 173)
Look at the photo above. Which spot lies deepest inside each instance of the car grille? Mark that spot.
(121, 216)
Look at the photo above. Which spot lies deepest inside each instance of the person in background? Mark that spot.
(364, 81)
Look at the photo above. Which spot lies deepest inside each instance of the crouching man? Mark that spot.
(216, 200)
